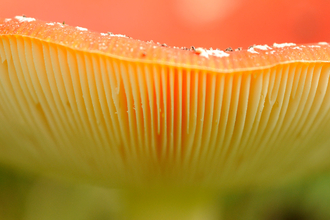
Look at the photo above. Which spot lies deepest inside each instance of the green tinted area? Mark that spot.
(25, 197)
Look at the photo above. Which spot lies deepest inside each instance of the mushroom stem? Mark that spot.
(173, 204)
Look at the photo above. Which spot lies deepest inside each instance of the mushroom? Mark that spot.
(172, 126)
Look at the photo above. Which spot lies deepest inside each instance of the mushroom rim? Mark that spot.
(170, 64)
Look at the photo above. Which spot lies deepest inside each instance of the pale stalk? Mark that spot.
(181, 204)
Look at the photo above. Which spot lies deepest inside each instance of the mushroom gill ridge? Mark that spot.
(137, 112)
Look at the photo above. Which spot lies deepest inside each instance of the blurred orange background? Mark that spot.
(207, 23)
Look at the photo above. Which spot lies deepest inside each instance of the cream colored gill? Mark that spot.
(115, 122)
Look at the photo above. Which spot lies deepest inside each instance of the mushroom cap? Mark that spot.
(116, 111)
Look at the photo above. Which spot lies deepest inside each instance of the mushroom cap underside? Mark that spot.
(118, 111)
